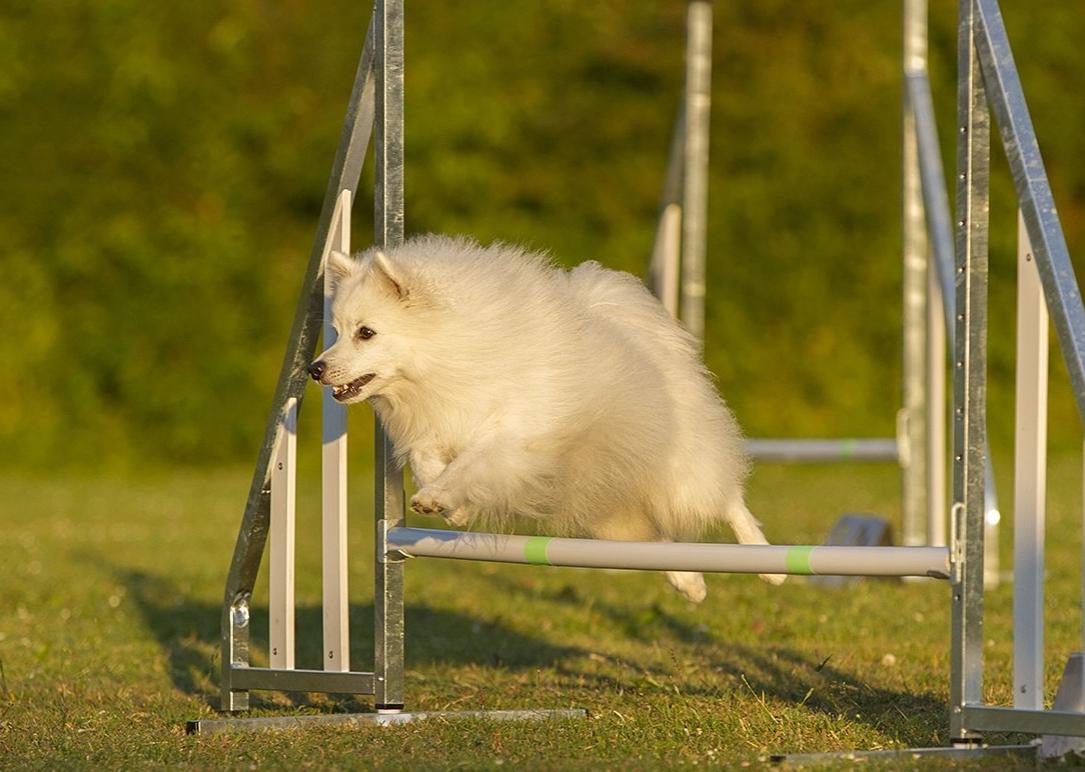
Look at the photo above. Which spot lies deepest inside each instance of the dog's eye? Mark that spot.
(365, 333)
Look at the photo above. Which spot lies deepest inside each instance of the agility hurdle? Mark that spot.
(987, 79)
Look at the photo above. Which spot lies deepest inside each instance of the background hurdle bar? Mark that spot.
(671, 556)
(818, 450)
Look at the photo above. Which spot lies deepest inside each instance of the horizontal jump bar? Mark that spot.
(671, 556)
(824, 450)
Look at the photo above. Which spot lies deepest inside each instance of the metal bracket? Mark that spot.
(384, 553)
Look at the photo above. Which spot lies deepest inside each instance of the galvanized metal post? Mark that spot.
(698, 102)
(914, 412)
(388, 232)
(1061, 290)
(969, 380)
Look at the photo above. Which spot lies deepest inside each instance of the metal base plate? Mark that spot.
(905, 754)
(218, 725)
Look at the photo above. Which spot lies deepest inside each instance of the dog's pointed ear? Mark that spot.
(339, 266)
(389, 275)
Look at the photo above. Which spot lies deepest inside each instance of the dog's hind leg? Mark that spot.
(748, 531)
(640, 528)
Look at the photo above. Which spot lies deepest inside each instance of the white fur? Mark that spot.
(515, 388)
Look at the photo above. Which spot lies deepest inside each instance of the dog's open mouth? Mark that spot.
(352, 389)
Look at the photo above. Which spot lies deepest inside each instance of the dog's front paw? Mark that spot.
(434, 501)
(430, 502)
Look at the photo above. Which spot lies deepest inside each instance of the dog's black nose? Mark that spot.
(316, 370)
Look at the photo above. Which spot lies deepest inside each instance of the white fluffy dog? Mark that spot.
(515, 388)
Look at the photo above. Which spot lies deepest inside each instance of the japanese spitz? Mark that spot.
(515, 388)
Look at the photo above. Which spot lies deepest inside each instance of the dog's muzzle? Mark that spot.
(352, 389)
(345, 391)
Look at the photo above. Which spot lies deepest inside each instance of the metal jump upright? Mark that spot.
(677, 277)
(986, 76)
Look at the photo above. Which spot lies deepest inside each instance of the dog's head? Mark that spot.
(371, 309)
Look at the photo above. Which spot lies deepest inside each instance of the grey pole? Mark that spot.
(914, 504)
(969, 380)
(388, 232)
(695, 184)
(347, 168)
(940, 254)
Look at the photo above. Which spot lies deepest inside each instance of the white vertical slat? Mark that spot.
(281, 537)
(1030, 478)
(936, 411)
(334, 476)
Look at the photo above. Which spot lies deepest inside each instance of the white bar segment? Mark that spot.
(281, 540)
(695, 182)
(912, 418)
(665, 257)
(673, 556)
(1030, 479)
(334, 477)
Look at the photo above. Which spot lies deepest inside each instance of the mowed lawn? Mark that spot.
(110, 591)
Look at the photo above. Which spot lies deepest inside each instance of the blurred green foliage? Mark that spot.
(163, 165)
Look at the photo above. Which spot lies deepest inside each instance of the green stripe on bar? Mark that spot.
(535, 550)
(798, 560)
(848, 448)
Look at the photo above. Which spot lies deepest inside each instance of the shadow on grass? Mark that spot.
(769, 672)
(188, 632)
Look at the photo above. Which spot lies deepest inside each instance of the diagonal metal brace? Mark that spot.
(304, 333)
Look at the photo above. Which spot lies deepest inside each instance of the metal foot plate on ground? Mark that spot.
(1070, 696)
(263, 723)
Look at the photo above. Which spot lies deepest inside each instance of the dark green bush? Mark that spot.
(164, 164)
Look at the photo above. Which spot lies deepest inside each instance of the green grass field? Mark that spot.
(109, 607)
